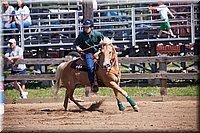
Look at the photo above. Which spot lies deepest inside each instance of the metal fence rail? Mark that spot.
(132, 25)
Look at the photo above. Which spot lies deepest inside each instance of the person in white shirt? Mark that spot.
(7, 14)
(26, 18)
(165, 26)
(14, 53)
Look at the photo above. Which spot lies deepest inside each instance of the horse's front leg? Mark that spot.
(119, 103)
(125, 94)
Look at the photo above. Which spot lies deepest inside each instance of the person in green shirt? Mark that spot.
(87, 43)
(165, 26)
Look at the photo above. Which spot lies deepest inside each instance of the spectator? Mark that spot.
(21, 9)
(12, 54)
(7, 17)
(85, 43)
(165, 26)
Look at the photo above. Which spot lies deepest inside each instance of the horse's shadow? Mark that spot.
(71, 110)
(93, 107)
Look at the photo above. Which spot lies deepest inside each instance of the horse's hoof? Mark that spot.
(83, 109)
(65, 107)
(136, 108)
(122, 108)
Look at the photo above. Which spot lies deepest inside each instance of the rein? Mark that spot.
(91, 47)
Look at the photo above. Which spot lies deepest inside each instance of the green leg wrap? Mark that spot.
(121, 107)
(130, 101)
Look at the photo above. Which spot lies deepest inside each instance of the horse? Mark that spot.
(108, 72)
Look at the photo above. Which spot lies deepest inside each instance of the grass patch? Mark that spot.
(104, 91)
(183, 91)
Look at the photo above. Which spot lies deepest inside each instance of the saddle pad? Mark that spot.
(79, 66)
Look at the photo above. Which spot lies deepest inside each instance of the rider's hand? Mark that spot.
(78, 49)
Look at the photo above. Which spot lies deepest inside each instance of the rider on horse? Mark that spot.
(87, 43)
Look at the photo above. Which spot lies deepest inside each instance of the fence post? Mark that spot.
(183, 52)
(87, 9)
(163, 81)
(22, 31)
(76, 23)
(1, 101)
(133, 26)
(192, 24)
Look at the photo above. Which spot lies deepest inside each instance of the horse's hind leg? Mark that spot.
(119, 103)
(69, 94)
(80, 106)
(66, 100)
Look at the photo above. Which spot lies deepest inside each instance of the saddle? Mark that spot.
(80, 65)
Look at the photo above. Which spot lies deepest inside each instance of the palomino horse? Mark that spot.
(108, 73)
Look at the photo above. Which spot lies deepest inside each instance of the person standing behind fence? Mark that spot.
(21, 9)
(165, 26)
(14, 53)
(7, 14)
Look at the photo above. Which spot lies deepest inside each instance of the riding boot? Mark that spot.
(94, 87)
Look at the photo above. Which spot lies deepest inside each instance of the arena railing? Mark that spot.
(163, 74)
(125, 27)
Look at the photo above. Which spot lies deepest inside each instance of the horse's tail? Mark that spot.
(56, 86)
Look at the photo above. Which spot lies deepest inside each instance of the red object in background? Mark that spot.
(174, 49)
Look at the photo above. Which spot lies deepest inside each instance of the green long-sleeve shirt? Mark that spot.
(87, 40)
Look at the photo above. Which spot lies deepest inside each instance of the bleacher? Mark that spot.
(56, 24)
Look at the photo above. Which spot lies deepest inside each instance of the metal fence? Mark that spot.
(59, 26)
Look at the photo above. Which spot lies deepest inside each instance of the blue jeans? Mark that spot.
(90, 65)
(26, 24)
(7, 27)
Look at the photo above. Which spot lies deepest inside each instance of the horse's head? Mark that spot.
(108, 53)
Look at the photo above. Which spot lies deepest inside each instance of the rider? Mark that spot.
(86, 43)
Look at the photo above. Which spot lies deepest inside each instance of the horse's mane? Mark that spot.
(108, 41)
(105, 41)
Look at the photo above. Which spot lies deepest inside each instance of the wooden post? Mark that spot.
(182, 51)
(87, 14)
(197, 63)
(87, 9)
(153, 64)
(163, 82)
(197, 52)
(153, 53)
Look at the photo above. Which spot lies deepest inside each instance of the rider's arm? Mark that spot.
(77, 43)
(78, 49)
(171, 14)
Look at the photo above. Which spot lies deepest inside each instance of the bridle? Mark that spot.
(112, 62)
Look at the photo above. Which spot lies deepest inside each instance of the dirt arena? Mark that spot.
(156, 114)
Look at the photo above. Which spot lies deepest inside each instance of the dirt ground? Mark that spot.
(156, 114)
